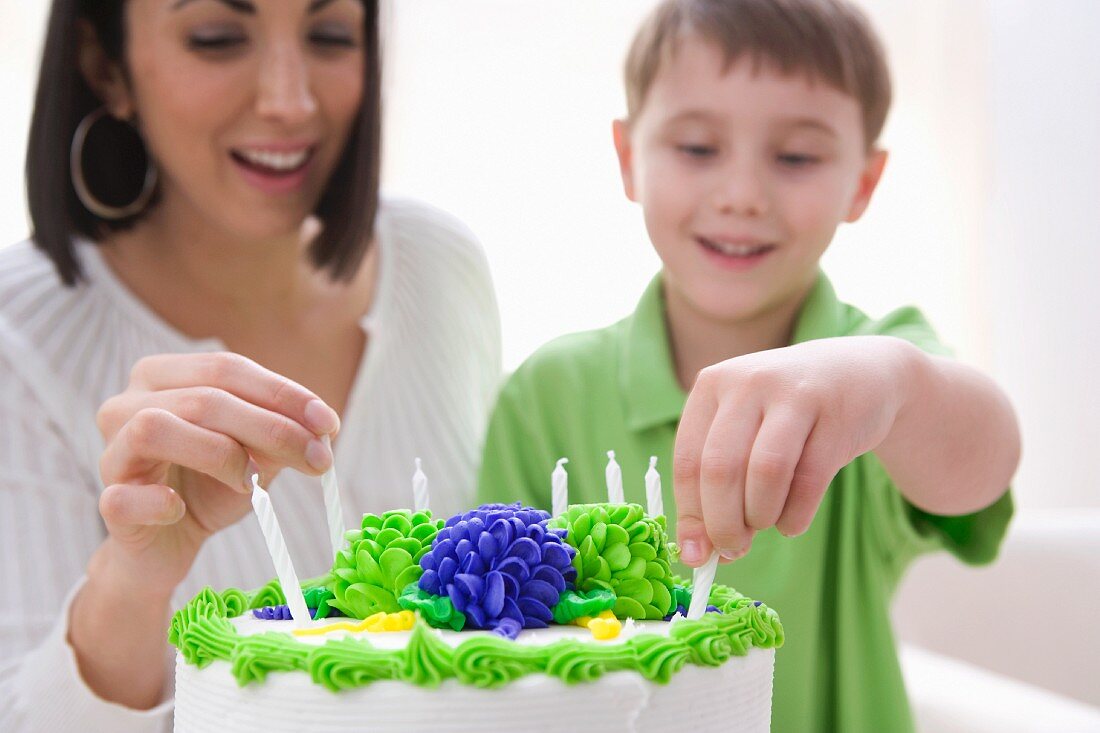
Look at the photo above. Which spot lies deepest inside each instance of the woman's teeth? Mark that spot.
(279, 162)
(735, 250)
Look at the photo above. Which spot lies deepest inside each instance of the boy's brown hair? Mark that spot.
(829, 40)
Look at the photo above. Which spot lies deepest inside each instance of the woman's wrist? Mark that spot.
(117, 627)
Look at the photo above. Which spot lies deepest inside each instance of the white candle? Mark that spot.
(559, 488)
(656, 503)
(701, 581)
(333, 508)
(420, 489)
(280, 557)
(614, 476)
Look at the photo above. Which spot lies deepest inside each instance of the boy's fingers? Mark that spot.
(690, 436)
(772, 463)
(722, 479)
(816, 468)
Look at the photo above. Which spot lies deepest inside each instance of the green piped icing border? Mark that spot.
(202, 633)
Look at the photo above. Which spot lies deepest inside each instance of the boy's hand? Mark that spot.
(762, 435)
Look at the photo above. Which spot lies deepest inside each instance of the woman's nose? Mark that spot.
(285, 92)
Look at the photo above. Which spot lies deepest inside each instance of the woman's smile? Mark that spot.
(274, 168)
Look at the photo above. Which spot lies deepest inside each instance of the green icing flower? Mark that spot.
(438, 611)
(381, 560)
(620, 549)
(572, 605)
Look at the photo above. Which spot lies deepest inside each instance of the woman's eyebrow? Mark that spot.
(241, 6)
(244, 6)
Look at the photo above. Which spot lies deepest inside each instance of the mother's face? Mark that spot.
(246, 105)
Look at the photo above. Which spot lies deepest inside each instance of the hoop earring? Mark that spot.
(87, 198)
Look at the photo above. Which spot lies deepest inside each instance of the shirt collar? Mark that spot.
(647, 376)
(652, 396)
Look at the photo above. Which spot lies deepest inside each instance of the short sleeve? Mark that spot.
(896, 528)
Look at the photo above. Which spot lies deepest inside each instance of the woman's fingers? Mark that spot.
(722, 478)
(270, 437)
(775, 455)
(127, 508)
(819, 463)
(239, 376)
(155, 438)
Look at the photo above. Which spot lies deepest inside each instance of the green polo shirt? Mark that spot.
(584, 394)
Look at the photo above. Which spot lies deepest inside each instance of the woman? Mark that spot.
(212, 288)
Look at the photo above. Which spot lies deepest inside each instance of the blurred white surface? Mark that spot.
(1023, 628)
(949, 696)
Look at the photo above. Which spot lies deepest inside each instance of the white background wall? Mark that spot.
(500, 110)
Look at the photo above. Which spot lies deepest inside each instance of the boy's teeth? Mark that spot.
(736, 250)
(275, 161)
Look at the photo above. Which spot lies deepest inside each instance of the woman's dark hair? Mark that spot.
(347, 207)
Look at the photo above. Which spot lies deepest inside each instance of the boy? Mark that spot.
(818, 448)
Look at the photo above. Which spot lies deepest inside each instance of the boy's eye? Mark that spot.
(697, 151)
(797, 160)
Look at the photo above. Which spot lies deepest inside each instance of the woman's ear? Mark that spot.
(104, 76)
(620, 131)
(868, 182)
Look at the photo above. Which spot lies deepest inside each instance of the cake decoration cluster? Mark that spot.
(500, 567)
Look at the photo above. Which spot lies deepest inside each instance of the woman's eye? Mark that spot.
(333, 40)
(797, 160)
(215, 43)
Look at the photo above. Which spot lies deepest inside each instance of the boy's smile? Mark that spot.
(743, 173)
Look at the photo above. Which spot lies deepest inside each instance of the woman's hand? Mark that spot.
(181, 441)
(762, 435)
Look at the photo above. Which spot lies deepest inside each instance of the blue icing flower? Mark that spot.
(500, 567)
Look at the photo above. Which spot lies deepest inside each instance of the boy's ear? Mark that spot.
(620, 131)
(868, 182)
(105, 77)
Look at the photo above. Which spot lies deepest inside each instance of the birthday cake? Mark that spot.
(501, 618)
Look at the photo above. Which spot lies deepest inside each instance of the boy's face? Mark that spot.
(743, 176)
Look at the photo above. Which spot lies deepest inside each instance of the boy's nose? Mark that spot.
(284, 90)
(741, 191)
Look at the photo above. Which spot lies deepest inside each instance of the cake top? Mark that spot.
(498, 570)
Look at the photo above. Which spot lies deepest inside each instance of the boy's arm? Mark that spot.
(763, 435)
(954, 443)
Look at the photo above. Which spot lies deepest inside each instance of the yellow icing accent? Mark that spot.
(377, 623)
(607, 614)
(605, 627)
(582, 621)
(341, 626)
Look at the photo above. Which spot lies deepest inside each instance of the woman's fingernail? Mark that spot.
(727, 554)
(321, 418)
(318, 455)
(251, 470)
(689, 551)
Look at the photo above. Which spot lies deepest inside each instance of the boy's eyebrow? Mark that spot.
(810, 122)
(244, 6)
(786, 123)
